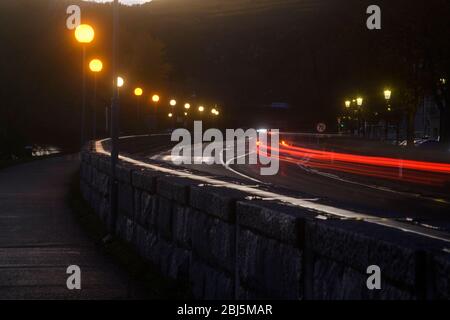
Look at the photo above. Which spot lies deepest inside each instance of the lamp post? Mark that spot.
(138, 93)
(155, 99)
(114, 124)
(348, 103)
(359, 103)
(84, 34)
(96, 66)
(387, 97)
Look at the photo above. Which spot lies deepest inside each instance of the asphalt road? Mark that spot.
(419, 199)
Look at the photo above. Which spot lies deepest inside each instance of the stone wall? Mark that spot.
(226, 246)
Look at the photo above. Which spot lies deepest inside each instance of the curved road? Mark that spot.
(416, 199)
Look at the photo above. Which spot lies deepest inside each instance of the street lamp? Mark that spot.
(115, 105)
(170, 115)
(187, 106)
(359, 101)
(173, 103)
(138, 93)
(387, 97)
(120, 82)
(387, 94)
(348, 103)
(155, 99)
(201, 108)
(96, 66)
(84, 34)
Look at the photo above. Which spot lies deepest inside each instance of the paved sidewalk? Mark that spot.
(39, 238)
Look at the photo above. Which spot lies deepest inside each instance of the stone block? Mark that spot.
(276, 222)
(174, 188)
(213, 240)
(269, 267)
(215, 201)
(164, 218)
(209, 284)
(182, 226)
(145, 179)
(126, 200)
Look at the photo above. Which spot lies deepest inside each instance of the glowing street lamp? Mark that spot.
(187, 106)
(138, 93)
(115, 121)
(170, 115)
(84, 34)
(96, 66)
(387, 94)
(387, 97)
(348, 103)
(201, 108)
(120, 82)
(173, 102)
(359, 101)
(155, 98)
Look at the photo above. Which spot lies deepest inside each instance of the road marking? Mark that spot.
(227, 166)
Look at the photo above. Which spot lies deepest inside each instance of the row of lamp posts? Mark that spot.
(85, 34)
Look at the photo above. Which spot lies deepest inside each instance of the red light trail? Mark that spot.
(419, 172)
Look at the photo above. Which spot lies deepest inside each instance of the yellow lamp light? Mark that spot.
(387, 94)
(138, 92)
(173, 102)
(348, 103)
(155, 98)
(201, 108)
(359, 101)
(187, 106)
(95, 65)
(84, 33)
